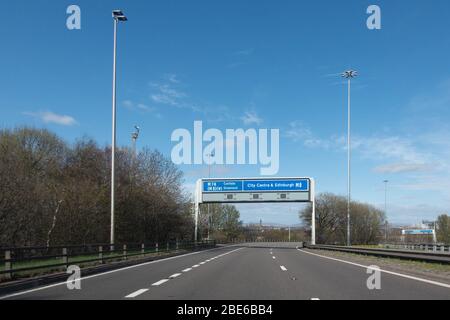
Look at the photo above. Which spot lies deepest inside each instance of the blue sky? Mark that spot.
(247, 64)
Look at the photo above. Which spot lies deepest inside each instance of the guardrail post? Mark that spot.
(442, 248)
(156, 247)
(8, 264)
(65, 257)
(143, 248)
(100, 254)
(434, 248)
(125, 252)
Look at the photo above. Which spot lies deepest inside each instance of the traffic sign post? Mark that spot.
(255, 190)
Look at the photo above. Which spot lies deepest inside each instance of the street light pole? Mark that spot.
(349, 75)
(117, 16)
(210, 155)
(134, 137)
(385, 210)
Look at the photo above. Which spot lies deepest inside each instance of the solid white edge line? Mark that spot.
(136, 293)
(283, 268)
(160, 282)
(440, 284)
(112, 271)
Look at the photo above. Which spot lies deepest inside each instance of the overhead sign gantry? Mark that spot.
(255, 190)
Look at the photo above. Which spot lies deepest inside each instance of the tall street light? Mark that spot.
(385, 210)
(134, 137)
(349, 75)
(210, 156)
(118, 16)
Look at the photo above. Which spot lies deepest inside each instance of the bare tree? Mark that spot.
(331, 219)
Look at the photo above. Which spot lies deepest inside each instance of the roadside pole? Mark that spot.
(313, 212)
(197, 207)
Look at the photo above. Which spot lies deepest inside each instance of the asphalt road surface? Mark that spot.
(251, 272)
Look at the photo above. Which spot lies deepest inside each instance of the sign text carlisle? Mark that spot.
(256, 190)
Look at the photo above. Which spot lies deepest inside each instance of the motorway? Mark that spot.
(263, 271)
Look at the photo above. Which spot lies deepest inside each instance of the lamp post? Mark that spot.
(134, 137)
(210, 156)
(118, 16)
(385, 210)
(349, 75)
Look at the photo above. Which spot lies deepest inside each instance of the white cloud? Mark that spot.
(173, 78)
(138, 106)
(401, 168)
(383, 148)
(422, 159)
(144, 107)
(170, 92)
(50, 117)
(298, 132)
(166, 94)
(251, 117)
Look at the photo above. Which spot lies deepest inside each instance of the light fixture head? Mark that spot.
(349, 74)
(119, 16)
(135, 134)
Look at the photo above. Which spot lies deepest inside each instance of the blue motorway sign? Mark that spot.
(222, 186)
(418, 232)
(256, 185)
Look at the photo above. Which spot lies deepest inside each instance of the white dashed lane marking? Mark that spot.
(136, 293)
(175, 275)
(160, 282)
(283, 268)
